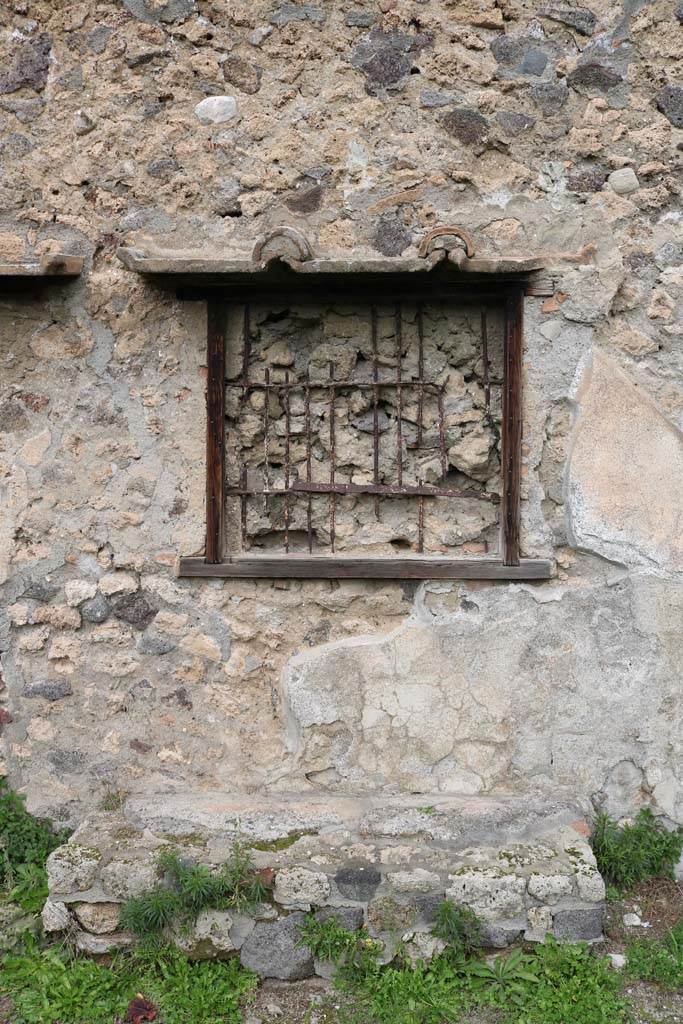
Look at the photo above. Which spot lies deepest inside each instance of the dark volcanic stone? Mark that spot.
(293, 12)
(13, 416)
(48, 689)
(134, 609)
(593, 76)
(242, 73)
(30, 65)
(466, 125)
(153, 643)
(384, 58)
(519, 55)
(163, 167)
(359, 19)
(99, 37)
(670, 102)
(513, 123)
(534, 63)
(67, 761)
(591, 179)
(580, 924)
(180, 697)
(15, 144)
(96, 609)
(387, 66)
(154, 12)
(350, 918)
(40, 590)
(575, 17)
(305, 200)
(273, 950)
(550, 96)
(391, 236)
(359, 882)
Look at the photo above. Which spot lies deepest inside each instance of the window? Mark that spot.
(363, 418)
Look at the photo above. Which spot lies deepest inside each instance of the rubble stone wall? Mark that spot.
(541, 128)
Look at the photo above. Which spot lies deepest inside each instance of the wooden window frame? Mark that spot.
(372, 288)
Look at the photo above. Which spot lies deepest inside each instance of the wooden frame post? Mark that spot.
(216, 322)
(511, 439)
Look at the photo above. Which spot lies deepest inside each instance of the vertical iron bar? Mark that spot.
(511, 439)
(216, 322)
(243, 504)
(246, 345)
(420, 374)
(398, 330)
(375, 408)
(485, 359)
(246, 354)
(442, 436)
(285, 399)
(333, 496)
(266, 442)
(421, 521)
(307, 407)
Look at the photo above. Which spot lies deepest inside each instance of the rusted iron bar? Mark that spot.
(383, 490)
(485, 365)
(511, 438)
(420, 374)
(421, 522)
(266, 444)
(390, 490)
(243, 505)
(215, 429)
(307, 415)
(442, 436)
(398, 330)
(375, 407)
(285, 401)
(246, 356)
(246, 344)
(333, 455)
(259, 385)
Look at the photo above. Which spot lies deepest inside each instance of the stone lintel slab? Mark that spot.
(436, 816)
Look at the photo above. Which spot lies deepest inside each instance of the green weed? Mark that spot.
(192, 889)
(51, 985)
(459, 927)
(24, 840)
(553, 984)
(655, 960)
(630, 853)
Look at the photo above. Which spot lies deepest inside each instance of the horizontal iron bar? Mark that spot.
(392, 490)
(388, 490)
(260, 385)
(294, 566)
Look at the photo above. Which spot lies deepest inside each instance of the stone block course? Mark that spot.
(531, 885)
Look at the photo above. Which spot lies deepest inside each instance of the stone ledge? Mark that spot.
(523, 866)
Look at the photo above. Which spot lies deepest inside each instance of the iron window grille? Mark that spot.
(384, 289)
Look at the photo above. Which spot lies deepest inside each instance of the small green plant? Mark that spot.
(29, 887)
(190, 889)
(208, 992)
(505, 978)
(655, 960)
(113, 800)
(52, 985)
(354, 954)
(630, 853)
(459, 927)
(24, 840)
